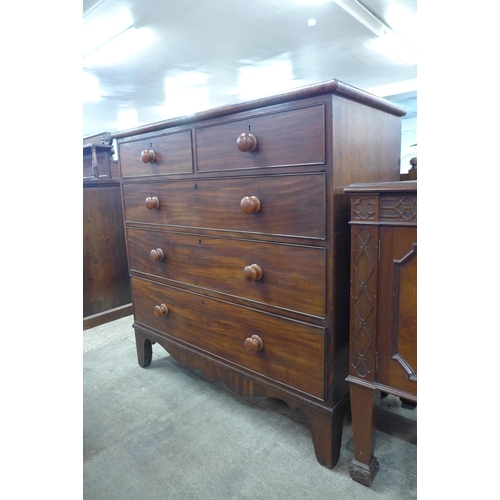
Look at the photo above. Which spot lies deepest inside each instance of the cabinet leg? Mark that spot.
(144, 349)
(364, 407)
(327, 434)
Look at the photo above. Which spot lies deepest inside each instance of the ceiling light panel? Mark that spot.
(97, 31)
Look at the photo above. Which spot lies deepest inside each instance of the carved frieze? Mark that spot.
(387, 208)
(398, 208)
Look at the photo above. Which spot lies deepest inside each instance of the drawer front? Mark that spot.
(290, 205)
(293, 353)
(291, 277)
(172, 155)
(292, 137)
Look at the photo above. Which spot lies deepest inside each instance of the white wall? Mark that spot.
(408, 138)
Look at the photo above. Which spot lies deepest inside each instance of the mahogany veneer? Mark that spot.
(238, 241)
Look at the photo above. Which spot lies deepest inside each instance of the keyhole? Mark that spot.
(196, 187)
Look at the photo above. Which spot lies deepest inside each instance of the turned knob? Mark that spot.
(152, 203)
(156, 255)
(254, 343)
(252, 272)
(148, 156)
(246, 142)
(161, 310)
(250, 205)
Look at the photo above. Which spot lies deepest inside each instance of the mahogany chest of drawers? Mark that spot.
(238, 241)
(383, 338)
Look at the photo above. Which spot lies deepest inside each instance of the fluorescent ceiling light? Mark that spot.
(127, 118)
(187, 103)
(186, 93)
(101, 30)
(311, 2)
(270, 76)
(402, 21)
(182, 81)
(389, 40)
(126, 44)
(393, 89)
(392, 46)
(91, 90)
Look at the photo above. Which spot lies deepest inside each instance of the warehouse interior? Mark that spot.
(149, 62)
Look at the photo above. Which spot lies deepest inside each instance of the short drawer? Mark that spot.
(167, 153)
(288, 205)
(290, 277)
(291, 352)
(290, 137)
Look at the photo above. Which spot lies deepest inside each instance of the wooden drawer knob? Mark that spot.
(148, 156)
(254, 344)
(152, 203)
(252, 272)
(161, 310)
(250, 205)
(246, 142)
(157, 255)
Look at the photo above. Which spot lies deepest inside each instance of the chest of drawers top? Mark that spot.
(289, 129)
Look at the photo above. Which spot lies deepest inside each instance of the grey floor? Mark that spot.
(164, 433)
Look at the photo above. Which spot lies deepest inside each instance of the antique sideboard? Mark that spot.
(383, 330)
(237, 229)
(106, 287)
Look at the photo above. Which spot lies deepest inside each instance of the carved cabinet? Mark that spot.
(383, 328)
(238, 241)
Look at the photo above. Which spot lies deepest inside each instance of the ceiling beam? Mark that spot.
(374, 24)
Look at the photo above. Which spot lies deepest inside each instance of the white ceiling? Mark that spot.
(190, 55)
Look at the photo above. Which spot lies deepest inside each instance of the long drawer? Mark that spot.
(288, 205)
(289, 137)
(291, 352)
(291, 277)
(167, 153)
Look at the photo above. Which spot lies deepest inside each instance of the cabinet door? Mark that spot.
(397, 309)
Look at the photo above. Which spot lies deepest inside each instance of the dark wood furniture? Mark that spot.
(238, 241)
(106, 287)
(383, 330)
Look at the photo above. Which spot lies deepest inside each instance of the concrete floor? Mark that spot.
(164, 433)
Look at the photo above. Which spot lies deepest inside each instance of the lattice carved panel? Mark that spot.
(398, 208)
(363, 302)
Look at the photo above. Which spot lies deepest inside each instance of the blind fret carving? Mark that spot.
(398, 208)
(365, 252)
(364, 208)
